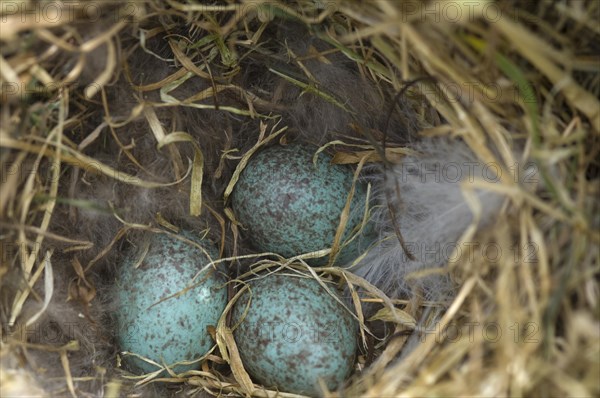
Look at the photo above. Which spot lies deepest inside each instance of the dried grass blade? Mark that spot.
(48, 288)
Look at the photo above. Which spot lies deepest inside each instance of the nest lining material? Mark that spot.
(119, 120)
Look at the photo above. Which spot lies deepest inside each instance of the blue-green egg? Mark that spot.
(290, 206)
(166, 304)
(293, 334)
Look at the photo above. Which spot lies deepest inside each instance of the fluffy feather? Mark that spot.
(430, 212)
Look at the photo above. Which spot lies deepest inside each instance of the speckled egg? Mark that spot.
(156, 325)
(294, 334)
(288, 205)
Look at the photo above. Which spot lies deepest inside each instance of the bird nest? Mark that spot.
(120, 119)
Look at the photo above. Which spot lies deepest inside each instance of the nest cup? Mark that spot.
(474, 126)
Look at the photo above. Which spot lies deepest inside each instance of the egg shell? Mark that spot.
(290, 206)
(294, 334)
(174, 329)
